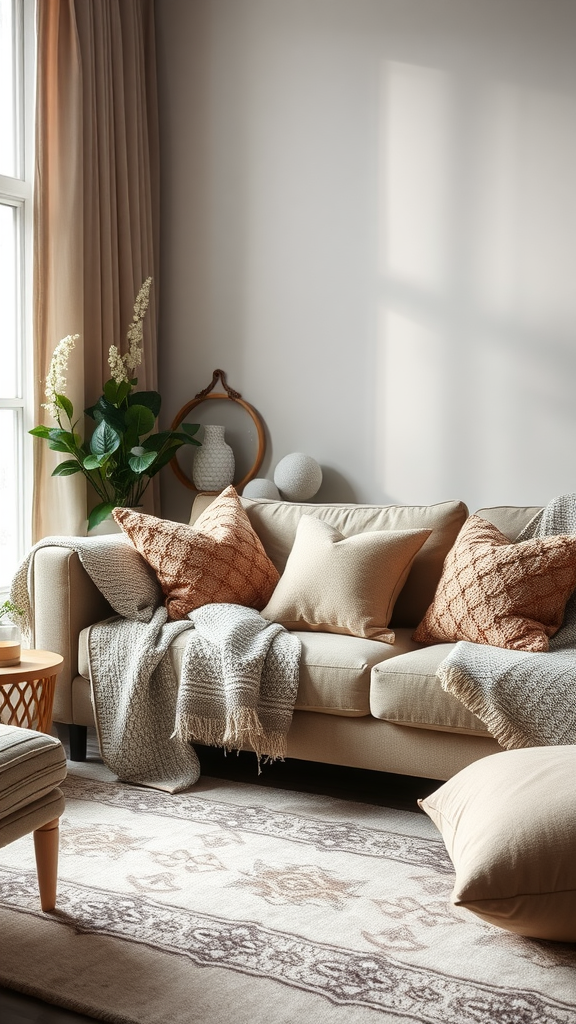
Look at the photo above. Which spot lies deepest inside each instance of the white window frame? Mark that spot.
(18, 192)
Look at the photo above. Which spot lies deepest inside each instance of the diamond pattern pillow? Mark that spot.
(495, 592)
(219, 559)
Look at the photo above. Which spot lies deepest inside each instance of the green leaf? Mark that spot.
(140, 463)
(185, 439)
(115, 393)
(64, 403)
(57, 434)
(61, 440)
(103, 410)
(151, 399)
(99, 513)
(190, 428)
(104, 440)
(163, 459)
(124, 390)
(94, 461)
(154, 442)
(67, 468)
(110, 390)
(40, 431)
(140, 419)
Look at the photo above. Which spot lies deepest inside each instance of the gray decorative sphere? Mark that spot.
(260, 488)
(298, 477)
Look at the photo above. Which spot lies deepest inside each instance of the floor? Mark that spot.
(378, 788)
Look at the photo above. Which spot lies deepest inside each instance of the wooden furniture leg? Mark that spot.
(46, 841)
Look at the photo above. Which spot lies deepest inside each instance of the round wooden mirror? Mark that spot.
(228, 395)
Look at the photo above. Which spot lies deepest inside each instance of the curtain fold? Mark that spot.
(96, 233)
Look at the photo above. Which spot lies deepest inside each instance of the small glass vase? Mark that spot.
(10, 644)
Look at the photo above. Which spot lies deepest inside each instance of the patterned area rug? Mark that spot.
(231, 903)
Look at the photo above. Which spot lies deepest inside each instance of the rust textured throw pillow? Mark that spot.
(219, 559)
(496, 592)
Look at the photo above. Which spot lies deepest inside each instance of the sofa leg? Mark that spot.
(78, 735)
(46, 841)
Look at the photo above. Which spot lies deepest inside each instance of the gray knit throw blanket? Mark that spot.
(238, 679)
(525, 699)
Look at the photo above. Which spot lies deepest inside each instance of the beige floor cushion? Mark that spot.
(509, 824)
(407, 691)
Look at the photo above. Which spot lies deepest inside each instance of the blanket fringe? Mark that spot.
(457, 683)
(242, 729)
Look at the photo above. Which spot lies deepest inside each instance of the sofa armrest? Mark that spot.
(65, 601)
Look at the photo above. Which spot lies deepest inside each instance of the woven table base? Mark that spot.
(27, 690)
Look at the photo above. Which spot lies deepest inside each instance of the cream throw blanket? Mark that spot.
(524, 699)
(238, 679)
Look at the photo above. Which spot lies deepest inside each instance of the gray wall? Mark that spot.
(369, 221)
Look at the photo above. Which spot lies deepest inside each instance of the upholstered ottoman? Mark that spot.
(31, 766)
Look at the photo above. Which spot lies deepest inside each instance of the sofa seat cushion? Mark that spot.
(407, 691)
(32, 764)
(335, 669)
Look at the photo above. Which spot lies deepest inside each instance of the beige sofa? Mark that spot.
(361, 703)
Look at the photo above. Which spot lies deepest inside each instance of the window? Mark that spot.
(16, 168)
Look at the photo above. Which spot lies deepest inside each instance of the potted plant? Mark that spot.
(10, 634)
(123, 453)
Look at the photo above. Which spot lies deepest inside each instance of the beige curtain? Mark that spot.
(96, 214)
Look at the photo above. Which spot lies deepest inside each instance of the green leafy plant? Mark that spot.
(123, 453)
(10, 611)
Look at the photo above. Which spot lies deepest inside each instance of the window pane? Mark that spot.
(8, 305)
(8, 161)
(9, 504)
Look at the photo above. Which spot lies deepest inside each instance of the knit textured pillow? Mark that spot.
(495, 592)
(219, 559)
(337, 584)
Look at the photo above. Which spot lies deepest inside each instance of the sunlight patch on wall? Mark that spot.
(410, 461)
(525, 214)
(414, 173)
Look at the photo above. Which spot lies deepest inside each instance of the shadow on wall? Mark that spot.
(334, 488)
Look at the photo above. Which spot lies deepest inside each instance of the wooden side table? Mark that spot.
(27, 690)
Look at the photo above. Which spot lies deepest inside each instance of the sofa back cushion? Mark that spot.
(510, 519)
(276, 523)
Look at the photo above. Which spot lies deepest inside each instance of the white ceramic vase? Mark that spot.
(213, 467)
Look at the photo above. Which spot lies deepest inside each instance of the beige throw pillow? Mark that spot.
(219, 559)
(509, 824)
(337, 584)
